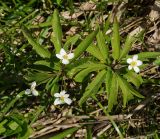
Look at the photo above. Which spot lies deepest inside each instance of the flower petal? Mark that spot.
(59, 56)
(135, 57)
(62, 52)
(68, 100)
(33, 85)
(129, 60)
(62, 92)
(57, 95)
(65, 61)
(66, 95)
(136, 69)
(27, 91)
(57, 101)
(139, 62)
(35, 92)
(70, 55)
(130, 67)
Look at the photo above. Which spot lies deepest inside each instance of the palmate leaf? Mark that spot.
(93, 87)
(127, 46)
(94, 51)
(134, 78)
(56, 36)
(115, 41)
(108, 80)
(38, 48)
(84, 44)
(131, 38)
(145, 55)
(93, 67)
(112, 95)
(71, 41)
(102, 45)
(127, 90)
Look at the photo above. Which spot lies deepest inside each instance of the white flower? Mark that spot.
(62, 98)
(134, 63)
(32, 90)
(64, 56)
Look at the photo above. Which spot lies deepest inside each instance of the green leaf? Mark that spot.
(115, 41)
(84, 44)
(131, 38)
(56, 36)
(65, 133)
(74, 70)
(2, 128)
(39, 77)
(38, 48)
(55, 88)
(134, 78)
(125, 90)
(93, 50)
(157, 62)
(102, 45)
(82, 74)
(71, 41)
(112, 99)
(127, 46)
(93, 87)
(108, 80)
(44, 63)
(145, 55)
(53, 85)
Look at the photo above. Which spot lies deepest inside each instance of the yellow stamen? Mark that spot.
(65, 56)
(62, 98)
(133, 63)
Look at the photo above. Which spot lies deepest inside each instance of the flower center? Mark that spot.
(134, 63)
(65, 56)
(62, 98)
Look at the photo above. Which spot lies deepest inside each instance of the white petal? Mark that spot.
(59, 56)
(139, 63)
(65, 61)
(129, 67)
(57, 101)
(57, 95)
(135, 57)
(136, 69)
(27, 91)
(129, 60)
(62, 92)
(70, 55)
(62, 52)
(33, 85)
(66, 95)
(35, 92)
(68, 100)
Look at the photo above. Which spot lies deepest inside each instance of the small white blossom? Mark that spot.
(134, 63)
(64, 56)
(62, 98)
(32, 90)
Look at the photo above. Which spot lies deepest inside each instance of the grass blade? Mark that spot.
(64, 134)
